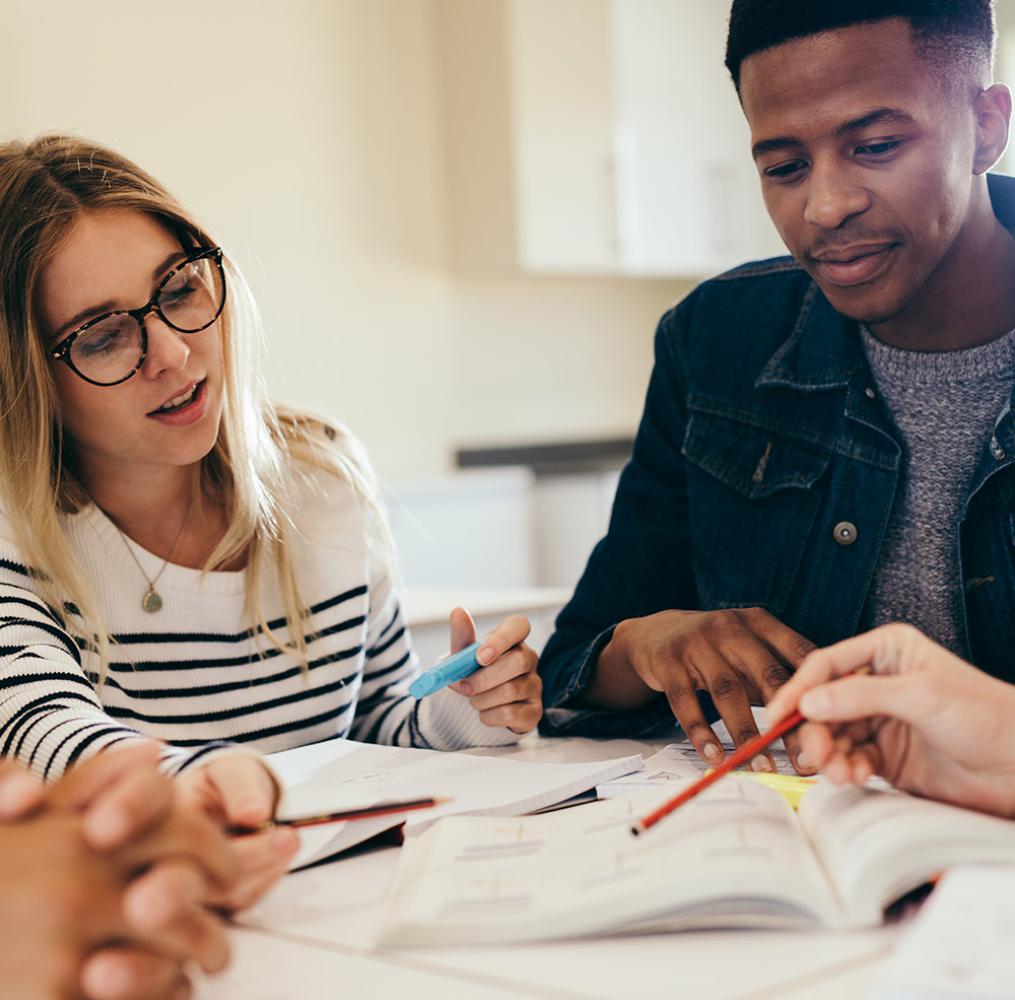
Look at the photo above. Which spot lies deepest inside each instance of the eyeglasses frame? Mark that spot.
(62, 351)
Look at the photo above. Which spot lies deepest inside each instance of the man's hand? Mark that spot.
(922, 718)
(739, 657)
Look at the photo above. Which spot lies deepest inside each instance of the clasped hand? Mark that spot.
(107, 883)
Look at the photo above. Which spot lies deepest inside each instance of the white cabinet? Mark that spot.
(562, 134)
(630, 154)
(500, 527)
(465, 529)
(571, 513)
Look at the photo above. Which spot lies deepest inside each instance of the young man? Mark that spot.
(828, 440)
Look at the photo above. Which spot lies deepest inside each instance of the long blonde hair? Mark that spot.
(45, 185)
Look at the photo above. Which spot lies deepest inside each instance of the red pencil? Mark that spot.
(362, 812)
(750, 749)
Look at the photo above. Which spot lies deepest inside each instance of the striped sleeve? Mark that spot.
(50, 713)
(385, 711)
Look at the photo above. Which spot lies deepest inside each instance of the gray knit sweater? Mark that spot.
(945, 406)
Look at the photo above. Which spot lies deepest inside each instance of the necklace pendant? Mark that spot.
(151, 602)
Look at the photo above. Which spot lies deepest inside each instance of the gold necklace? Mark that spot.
(152, 600)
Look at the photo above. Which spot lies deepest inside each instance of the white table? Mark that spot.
(312, 937)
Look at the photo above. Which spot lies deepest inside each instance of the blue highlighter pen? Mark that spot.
(455, 668)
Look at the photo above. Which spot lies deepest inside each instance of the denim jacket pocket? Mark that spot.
(753, 496)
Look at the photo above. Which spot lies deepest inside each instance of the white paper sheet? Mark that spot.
(960, 945)
(337, 774)
(675, 762)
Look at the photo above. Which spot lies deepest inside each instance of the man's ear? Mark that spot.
(993, 115)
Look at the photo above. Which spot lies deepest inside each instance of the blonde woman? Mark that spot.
(179, 559)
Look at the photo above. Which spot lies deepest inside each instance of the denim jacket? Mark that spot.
(763, 474)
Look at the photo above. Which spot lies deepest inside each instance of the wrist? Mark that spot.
(615, 683)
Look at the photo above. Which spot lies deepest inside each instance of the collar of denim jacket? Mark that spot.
(1002, 199)
(824, 351)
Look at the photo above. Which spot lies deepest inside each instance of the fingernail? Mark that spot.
(761, 764)
(814, 703)
(465, 688)
(18, 791)
(712, 752)
(104, 975)
(108, 826)
(804, 760)
(486, 655)
(250, 810)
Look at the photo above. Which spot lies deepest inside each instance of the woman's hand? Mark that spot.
(506, 690)
(237, 790)
(114, 880)
(922, 718)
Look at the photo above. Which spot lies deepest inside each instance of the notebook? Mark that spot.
(735, 856)
(343, 774)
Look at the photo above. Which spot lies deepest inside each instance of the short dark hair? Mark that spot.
(948, 32)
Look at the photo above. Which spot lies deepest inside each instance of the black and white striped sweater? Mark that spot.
(195, 676)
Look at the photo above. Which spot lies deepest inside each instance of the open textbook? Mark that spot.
(343, 774)
(736, 856)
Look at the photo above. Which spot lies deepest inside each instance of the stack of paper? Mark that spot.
(341, 774)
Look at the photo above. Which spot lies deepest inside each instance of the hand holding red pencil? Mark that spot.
(740, 758)
(920, 717)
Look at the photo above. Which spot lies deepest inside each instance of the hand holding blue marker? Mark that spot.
(455, 668)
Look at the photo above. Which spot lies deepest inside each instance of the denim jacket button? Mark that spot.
(870, 393)
(996, 450)
(845, 533)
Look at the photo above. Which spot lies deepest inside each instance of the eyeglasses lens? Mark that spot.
(109, 350)
(192, 297)
(190, 301)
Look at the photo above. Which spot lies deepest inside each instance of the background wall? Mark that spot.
(328, 144)
(355, 158)
(311, 136)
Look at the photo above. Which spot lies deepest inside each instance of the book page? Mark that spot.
(959, 946)
(342, 774)
(734, 856)
(878, 844)
(677, 762)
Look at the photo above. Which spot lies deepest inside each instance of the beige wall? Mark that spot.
(1005, 71)
(1005, 14)
(311, 137)
(365, 189)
